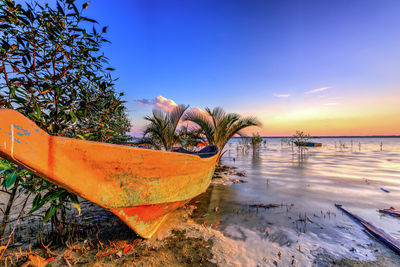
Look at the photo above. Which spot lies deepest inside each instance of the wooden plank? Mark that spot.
(378, 233)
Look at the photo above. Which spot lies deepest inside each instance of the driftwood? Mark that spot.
(385, 190)
(376, 232)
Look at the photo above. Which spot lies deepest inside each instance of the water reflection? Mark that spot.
(256, 159)
(350, 172)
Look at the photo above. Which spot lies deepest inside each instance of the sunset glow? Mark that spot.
(327, 67)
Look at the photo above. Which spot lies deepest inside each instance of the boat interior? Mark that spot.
(206, 152)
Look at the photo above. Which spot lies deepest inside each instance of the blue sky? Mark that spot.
(260, 58)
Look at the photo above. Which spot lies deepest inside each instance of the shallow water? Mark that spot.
(348, 171)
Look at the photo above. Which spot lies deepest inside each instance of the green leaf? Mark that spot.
(5, 164)
(49, 213)
(48, 197)
(36, 200)
(10, 179)
(73, 117)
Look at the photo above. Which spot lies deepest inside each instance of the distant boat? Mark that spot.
(307, 144)
(140, 186)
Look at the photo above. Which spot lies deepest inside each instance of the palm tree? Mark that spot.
(190, 137)
(218, 126)
(162, 126)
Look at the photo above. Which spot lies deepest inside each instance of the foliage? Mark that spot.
(189, 137)
(301, 137)
(219, 127)
(256, 140)
(163, 125)
(52, 71)
(12, 182)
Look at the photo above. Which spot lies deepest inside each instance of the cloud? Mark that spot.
(318, 90)
(145, 102)
(164, 103)
(159, 102)
(196, 109)
(281, 95)
(331, 104)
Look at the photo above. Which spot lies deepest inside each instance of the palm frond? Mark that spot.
(204, 122)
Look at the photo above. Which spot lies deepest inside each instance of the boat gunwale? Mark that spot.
(195, 156)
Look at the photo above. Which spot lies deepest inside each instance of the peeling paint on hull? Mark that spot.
(138, 185)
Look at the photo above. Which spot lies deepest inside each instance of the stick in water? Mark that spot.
(376, 232)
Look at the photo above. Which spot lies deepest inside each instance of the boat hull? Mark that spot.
(308, 144)
(138, 185)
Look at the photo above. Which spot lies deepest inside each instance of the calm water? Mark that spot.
(344, 170)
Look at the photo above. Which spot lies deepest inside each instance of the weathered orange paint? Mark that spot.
(139, 185)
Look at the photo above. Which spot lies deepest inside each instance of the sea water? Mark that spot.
(362, 174)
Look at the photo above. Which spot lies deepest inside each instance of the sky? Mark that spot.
(327, 67)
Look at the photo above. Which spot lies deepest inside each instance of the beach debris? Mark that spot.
(235, 181)
(35, 260)
(378, 233)
(216, 209)
(391, 211)
(215, 224)
(241, 174)
(108, 253)
(67, 262)
(267, 230)
(119, 254)
(131, 247)
(265, 206)
(50, 259)
(385, 190)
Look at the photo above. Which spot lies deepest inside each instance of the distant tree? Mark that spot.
(52, 70)
(301, 137)
(219, 127)
(256, 140)
(163, 125)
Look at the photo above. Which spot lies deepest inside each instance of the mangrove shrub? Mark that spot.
(53, 71)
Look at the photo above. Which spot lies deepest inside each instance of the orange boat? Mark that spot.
(140, 186)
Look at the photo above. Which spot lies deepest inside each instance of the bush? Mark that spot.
(52, 70)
